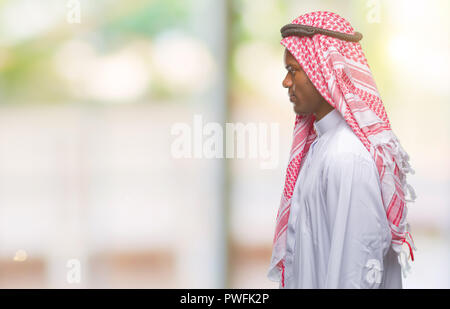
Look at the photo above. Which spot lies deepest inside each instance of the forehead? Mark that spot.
(289, 58)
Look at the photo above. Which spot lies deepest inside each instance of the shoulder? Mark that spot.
(345, 146)
(346, 161)
(347, 153)
(350, 168)
(347, 171)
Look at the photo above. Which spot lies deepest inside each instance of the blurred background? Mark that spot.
(91, 194)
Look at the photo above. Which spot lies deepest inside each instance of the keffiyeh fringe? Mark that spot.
(390, 149)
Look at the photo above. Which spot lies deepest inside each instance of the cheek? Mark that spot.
(307, 87)
(301, 84)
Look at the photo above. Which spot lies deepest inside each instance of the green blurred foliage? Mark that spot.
(27, 75)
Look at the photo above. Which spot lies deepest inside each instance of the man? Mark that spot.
(342, 218)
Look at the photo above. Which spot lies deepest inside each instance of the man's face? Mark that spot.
(301, 91)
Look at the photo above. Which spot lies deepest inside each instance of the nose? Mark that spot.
(287, 82)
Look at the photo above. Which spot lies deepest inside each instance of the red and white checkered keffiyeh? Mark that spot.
(339, 71)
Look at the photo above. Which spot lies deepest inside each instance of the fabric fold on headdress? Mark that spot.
(340, 72)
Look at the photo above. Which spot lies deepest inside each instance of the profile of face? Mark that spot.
(302, 92)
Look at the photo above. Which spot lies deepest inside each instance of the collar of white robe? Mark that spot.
(328, 122)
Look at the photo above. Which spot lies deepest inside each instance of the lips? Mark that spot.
(291, 96)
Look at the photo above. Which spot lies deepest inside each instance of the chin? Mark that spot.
(300, 112)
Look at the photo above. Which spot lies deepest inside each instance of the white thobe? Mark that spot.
(338, 234)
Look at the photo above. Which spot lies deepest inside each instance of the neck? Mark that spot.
(324, 109)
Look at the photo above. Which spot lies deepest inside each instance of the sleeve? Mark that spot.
(358, 229)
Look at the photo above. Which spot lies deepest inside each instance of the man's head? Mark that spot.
(301, 91)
